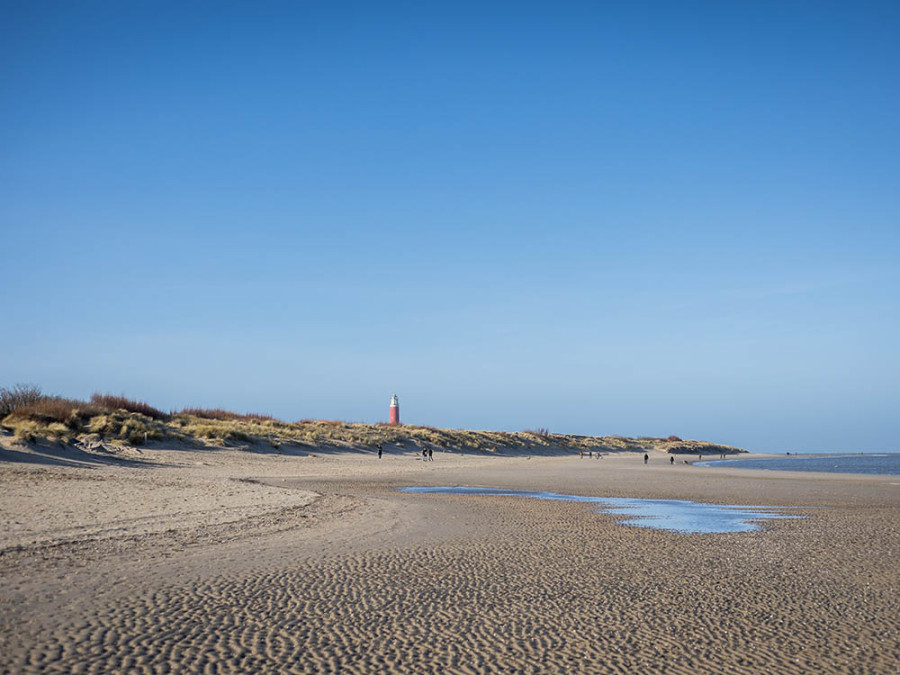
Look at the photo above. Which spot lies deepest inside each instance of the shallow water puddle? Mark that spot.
(681, 516)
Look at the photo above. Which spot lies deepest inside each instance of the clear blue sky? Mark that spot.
(638, 218)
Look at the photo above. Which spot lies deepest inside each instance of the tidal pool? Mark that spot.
(681, 516)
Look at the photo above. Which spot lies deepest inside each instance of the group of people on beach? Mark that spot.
(427, 453)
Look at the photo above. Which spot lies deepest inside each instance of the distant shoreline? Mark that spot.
(867, 463)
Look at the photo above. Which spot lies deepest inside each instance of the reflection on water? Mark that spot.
(659, 514)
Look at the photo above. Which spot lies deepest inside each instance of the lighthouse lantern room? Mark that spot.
(395, 410)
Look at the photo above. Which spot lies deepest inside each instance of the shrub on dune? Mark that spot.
(122, 403)
(17, 396)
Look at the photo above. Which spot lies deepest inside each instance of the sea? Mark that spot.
(884, 464)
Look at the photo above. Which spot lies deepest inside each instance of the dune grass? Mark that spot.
(224, 415)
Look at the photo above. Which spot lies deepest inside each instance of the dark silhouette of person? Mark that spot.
(430, 454)
(379, 450)
(646, 458)
(671, 460)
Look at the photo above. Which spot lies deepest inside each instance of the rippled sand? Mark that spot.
(252, 563)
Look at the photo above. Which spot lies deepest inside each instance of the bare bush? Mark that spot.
(17, 396)
(122, 403)
(57, 409)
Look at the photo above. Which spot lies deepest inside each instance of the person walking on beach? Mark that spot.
(379, 450)
(646, 458)
(671, 460)
(430, 454)
(424, 455)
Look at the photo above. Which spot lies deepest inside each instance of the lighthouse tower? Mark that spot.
(395, 410)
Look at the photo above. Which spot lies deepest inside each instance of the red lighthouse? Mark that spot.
(395, 410)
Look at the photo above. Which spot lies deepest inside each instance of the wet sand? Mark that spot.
(234, 561)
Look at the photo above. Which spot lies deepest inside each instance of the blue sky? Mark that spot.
(641, 218)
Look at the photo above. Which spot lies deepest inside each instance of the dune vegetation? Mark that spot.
(111, 421)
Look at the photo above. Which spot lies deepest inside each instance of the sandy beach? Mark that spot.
(182, 560)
